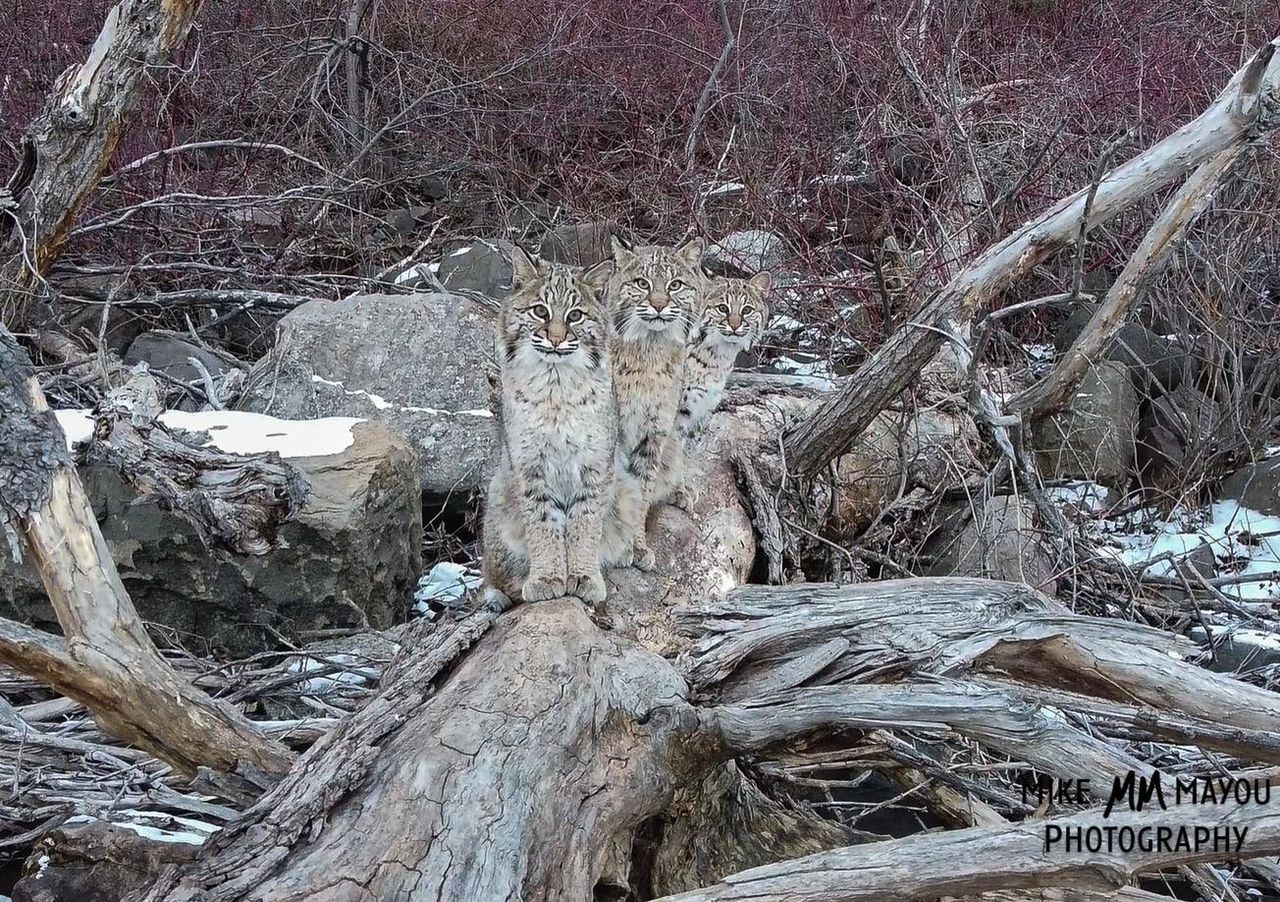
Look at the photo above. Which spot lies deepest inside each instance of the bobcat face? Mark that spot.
(736, 311)
(656, 289)
(555, 313)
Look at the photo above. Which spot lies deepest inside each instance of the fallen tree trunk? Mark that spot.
(76, 135)
(107, 661)
(1247, 106)
(1052, 393)
(1014, 856)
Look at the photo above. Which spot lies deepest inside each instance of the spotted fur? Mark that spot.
(557, 435)
(734, 317)
(655, 294)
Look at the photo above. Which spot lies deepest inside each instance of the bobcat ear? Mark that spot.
(761, 282)
(691, 251)
(597, 277)
(523, 268)
(621, 253)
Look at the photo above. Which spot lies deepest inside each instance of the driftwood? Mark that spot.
(75, 137)
(237, 501)
(107, 661)
(1053, 392)
(1248, 105)
(989, 858)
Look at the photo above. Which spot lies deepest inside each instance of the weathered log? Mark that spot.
(237, 501)
(1249, 104)
(76, 135)
(949, 626)
(1007, 857)
(107, 661)
(1052, 393)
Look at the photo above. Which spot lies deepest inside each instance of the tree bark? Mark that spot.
(77, 134)
(1248, 105)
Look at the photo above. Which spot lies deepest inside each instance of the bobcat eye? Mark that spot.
(724, 308)
(575, 316)
(643, 284)
(748, 310)
(675, 285)
(541, 311)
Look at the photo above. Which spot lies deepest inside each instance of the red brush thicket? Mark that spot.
(842, 122)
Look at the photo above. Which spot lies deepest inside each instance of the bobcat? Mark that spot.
(655, 295)
(735, 314)
(557, 435)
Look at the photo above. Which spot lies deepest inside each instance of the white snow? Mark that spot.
(446, 581)
(785, 323)
(724, 188)
(460, 251)
(417, 273)
(158, 835)
(382, 403)
(819, 368)
(1083, 496)
(241, 432)
(1244, 543)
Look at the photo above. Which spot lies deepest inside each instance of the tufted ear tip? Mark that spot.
(523, 268)
(691, 251)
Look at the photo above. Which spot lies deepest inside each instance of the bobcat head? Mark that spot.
(656, 290)
(555, 313)
(737, 310)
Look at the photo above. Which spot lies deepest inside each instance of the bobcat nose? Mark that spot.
(659, 303)
(555, 340)
(735, 321)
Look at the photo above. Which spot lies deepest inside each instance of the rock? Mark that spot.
(1094, 437)
(936, 447)
(1239, 650)
(584, 244)
(1256, 486)
(351, 558)
(1002, 543)
(168, 353)
(746, 253)
(417, 363)
(477, 268)
(1156, 364)
(1171, 432)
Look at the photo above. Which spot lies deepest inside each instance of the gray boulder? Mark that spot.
(1094, 438)
(1156, 364)
(1002, 542)
(582, 244)
(418, 363)
(351, 558)
(746, 253)
(1256, 486)
(170, 354)
(479, 268)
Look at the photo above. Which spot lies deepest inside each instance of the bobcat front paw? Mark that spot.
(642, 558)
(684, 498)
(587, 586)
(541, 588)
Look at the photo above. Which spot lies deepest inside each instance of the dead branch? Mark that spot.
(108, 662)
(1245, 107)
(77, 134)
(1051, 393)
(1006, 857)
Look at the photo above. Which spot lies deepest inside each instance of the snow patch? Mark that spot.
(1243, 542)
(382, 403)
(356, 676)
(240, 432)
